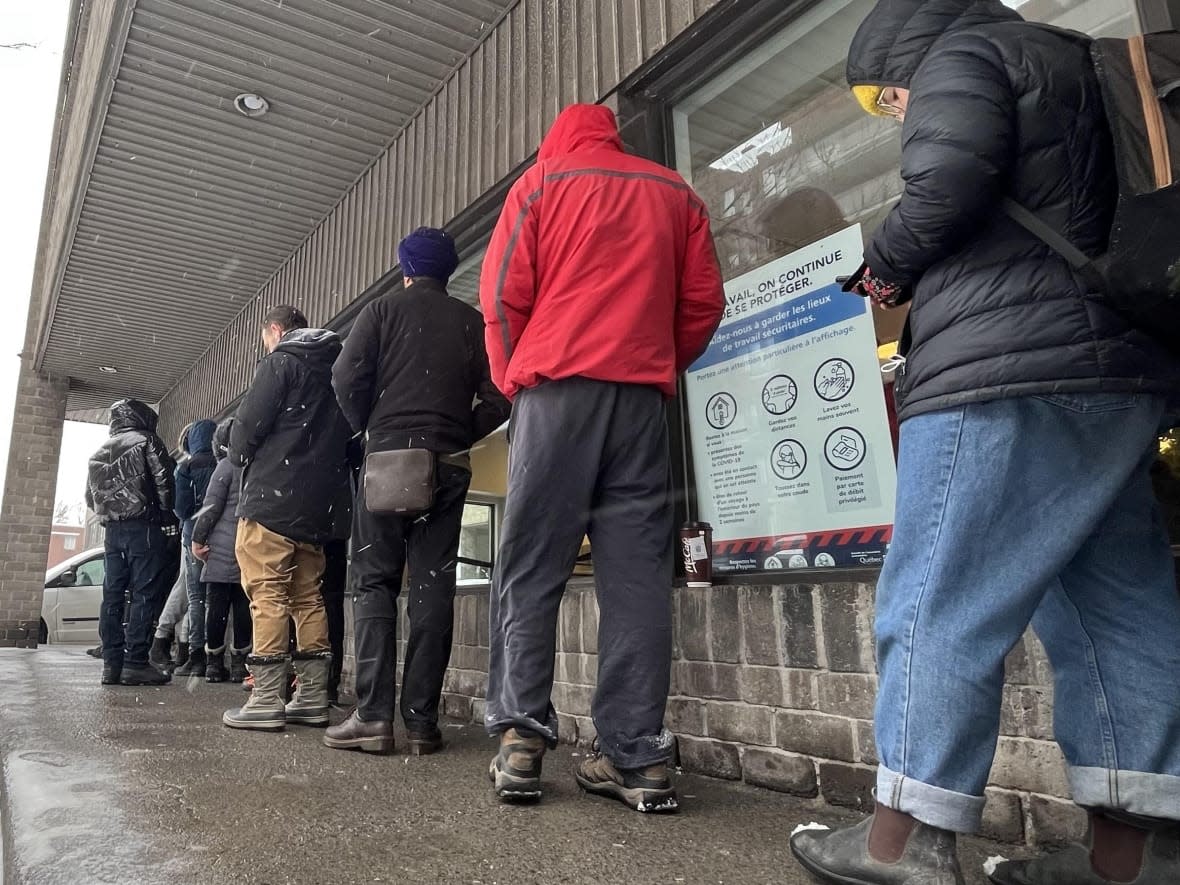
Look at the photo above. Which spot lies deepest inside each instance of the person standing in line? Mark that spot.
(411, 370)
(600, 287)
(193, 473)
(1029, 412)
(130, 487)
(291, 441)
(172, 627)
(215, 531)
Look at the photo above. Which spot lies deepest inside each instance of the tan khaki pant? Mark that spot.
(282, 578)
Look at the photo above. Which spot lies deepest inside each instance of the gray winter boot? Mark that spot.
(264, 711)
(889, 848)
(310, 705)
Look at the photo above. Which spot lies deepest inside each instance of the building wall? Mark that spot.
(27, 513)
(775, 686)
(486, 120)
(59, 549)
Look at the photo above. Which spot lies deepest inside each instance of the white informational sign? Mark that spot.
(791, 446)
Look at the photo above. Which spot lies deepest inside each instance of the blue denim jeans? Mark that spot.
(1031, 510)
(196, 590)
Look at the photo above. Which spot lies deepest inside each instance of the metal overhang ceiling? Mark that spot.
(190, 206)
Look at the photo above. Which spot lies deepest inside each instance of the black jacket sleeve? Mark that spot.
(493, 408)
(259, 409)
(958, 146)
(161, 470)
(354, 376)
(215, 498)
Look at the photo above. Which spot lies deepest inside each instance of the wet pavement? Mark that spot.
(145, 786)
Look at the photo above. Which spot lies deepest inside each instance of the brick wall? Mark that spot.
(28, 504)
(775, 686)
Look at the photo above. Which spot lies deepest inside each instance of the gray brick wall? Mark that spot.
(27, 514)
(775, 686)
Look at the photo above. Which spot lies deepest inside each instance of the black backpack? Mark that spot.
(1140, 273)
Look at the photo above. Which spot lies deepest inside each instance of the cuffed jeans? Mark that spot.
(141, 564)
(587, 457)
(384, 546)
(1031, 510)
(196, 590)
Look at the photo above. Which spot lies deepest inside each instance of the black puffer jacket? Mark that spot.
(997, 107)
(131, 476)
(292, 440)
(414, 373)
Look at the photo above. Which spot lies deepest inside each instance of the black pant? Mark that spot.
(587, 457)
(332, 588)
(142, 564)
(383, 546)
(220, 599)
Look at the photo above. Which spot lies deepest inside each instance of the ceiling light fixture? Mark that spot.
(108, 370)
(250, 104)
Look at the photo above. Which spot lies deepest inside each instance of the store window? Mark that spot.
(790, 422)
(476, 543)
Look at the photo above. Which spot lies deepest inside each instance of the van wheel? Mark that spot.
(43, 633)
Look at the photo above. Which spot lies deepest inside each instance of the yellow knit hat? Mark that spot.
(867, 97)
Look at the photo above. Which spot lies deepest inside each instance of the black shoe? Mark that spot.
(181, 654)
(355, 734)
(144, 675)
(160, 656)
(197, 662)
(112, 675)
(95, 652)
(215, 670)
(424, 740)
(237, 667)
(648, 790)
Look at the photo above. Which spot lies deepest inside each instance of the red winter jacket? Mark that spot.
(602, 266)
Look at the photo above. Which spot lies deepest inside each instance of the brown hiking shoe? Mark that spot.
(516, 769)
(648, 790)
(356, 734)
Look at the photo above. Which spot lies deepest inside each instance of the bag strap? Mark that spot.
(1078, 260)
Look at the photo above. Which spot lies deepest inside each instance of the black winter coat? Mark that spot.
(195, 469)
(292, 440)
(131, 476)
(997, 107)
(412, 370)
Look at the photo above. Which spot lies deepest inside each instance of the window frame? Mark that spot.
(496, 506)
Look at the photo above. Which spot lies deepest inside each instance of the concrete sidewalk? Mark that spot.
(145, 786)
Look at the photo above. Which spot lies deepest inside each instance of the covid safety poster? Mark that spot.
(790, 436)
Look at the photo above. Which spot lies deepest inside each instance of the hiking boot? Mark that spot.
(112, 675)
(309, 704)
(1116, 851)
(646, 789)
(265, 710)
(424, 740)
(888, 848)
(356, 734)
(516, 769)
(143, 674)
(215, 665)
(160, 655)
(237, 666)
(195, 666)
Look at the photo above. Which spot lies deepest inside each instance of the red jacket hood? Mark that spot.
(581, 127)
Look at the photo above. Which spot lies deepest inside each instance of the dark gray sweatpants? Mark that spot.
(587, 457)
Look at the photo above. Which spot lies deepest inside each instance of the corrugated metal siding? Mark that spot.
(486, 120)
(190, 207)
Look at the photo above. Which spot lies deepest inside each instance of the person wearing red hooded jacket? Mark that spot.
(600, 287)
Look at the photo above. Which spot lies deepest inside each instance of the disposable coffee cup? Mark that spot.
(696, 551)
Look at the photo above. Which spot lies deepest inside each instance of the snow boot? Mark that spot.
(309, 705)
(196, 666)
(181, 655)
(237, 665)
(264, 711)
(215, 666)
(160, 655)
